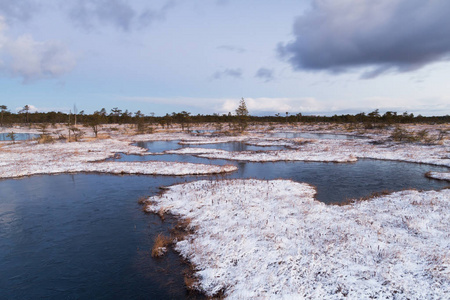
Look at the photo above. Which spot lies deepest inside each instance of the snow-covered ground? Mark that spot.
(266, 156)
(438, 175)
(30, 158)
(333, 150)
(258, 239)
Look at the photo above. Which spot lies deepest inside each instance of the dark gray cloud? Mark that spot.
(233, 73)
(21, 10)
(266, 74)
(380, 36)
(118, 13)
(114, 12)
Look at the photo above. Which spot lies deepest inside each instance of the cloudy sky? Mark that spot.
(162, 56)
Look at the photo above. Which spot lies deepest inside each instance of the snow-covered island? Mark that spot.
(258, 239)
(27, 158)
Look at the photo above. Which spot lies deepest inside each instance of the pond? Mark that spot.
(18, 136)
(84, 236)
(335, 182)
(308, 135)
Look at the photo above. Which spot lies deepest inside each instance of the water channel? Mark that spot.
(84, 236)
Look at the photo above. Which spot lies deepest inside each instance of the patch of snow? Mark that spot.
(272, 239)
(30, 158)
(333, 151)
(439, 175)
(265, 156)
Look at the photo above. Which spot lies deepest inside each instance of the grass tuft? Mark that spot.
(160, 245)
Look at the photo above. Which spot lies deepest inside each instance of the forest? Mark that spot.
(241, 115)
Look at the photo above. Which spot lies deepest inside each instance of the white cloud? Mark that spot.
(32, 60)
(31, 108)
(256, 106)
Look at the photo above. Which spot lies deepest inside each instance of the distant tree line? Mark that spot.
(239, 119)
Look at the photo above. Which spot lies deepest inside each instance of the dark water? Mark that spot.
(160, 146)
(18, 136)
(85, 237)
(307, 135)
(335, 182)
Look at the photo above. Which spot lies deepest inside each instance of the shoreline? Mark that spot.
(288, 233)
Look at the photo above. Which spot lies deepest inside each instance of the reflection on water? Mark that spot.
(335, 182)
(85, 237)
(161, 146)
(18, 136)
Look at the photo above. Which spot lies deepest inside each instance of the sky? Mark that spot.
(320, 57)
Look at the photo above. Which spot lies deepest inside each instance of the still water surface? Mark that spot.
(18, 136)
(84, 236)
(308, 135)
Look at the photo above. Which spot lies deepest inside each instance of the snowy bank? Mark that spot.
(271, 239)
(438, 175)
(30, 158)
(331, 151)
(266, 156)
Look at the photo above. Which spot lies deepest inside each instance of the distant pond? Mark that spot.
(309, 135)
(18, 136)
(84, 236)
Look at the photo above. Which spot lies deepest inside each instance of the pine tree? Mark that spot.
(242, 116)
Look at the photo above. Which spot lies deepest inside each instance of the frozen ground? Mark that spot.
(280, 155)
(271, 239)
(27, 158)
(30, 158)
(438, 175)
(333, 150)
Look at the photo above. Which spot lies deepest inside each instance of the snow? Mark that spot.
(331, 151)
(265, 156)
(272, 239)
(438, 175)
(30, 158)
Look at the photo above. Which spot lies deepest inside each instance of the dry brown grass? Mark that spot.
(181, 229)
(366, 198)
(190, 282)
(160, 245)
(103, 136)
(142, 200)
(45, 138)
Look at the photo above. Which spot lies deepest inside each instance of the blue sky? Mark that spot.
(315, 57)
